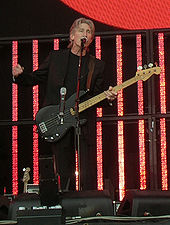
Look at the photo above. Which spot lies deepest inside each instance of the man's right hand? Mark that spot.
(17, 70)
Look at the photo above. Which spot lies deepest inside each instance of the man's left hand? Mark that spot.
(110, 94)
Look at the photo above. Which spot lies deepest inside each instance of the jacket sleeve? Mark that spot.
(36, 77)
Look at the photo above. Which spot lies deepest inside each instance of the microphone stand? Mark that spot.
(78, 128)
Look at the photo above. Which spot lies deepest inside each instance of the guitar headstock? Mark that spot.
(147, 73)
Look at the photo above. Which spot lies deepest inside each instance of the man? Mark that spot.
(61, 69)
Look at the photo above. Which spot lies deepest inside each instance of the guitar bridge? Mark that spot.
(42, 127)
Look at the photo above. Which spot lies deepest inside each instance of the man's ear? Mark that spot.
(71, 37)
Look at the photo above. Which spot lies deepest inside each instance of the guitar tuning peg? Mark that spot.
(150, 65)
(139, 68)
(145, 66)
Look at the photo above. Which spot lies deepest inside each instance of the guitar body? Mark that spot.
(51, 126)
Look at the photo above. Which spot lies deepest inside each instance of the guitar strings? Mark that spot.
(51, 122)
(55, 118)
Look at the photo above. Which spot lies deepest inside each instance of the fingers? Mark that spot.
(17, 70)
(110, 94)
(110, 88)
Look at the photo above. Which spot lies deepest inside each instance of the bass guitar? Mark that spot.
(48, 119)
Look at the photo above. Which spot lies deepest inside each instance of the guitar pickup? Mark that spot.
(42, 127)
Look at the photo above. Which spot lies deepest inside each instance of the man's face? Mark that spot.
(83, 30)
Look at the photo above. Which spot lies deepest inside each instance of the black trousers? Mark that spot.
(64, 151)
(64, 154)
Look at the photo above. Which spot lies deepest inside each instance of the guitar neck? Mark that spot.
(25, 187)
(100, 97)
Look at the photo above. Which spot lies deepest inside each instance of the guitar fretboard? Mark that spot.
(100, 97)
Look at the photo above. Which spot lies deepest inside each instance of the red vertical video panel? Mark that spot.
(99, 145)
(120, 124)
(14, 128)
(35, 110)
(163, 141)
(141, 128)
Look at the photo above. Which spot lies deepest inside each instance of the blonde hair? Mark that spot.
(76, 24)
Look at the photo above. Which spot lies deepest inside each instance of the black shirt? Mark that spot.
(71, 78)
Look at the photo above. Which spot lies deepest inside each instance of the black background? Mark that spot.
(38, 17)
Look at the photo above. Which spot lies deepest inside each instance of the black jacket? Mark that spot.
(53, 71)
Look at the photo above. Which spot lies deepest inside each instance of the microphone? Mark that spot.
(83, 41)
(63, 91)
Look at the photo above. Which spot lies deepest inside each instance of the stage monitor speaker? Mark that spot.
(41, 216)
(23, 201)
(4, 207)
(87, 203)
(145, 203)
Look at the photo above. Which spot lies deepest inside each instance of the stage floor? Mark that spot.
(100, 220)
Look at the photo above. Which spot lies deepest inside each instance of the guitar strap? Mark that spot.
(91, 70)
